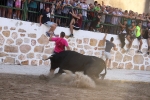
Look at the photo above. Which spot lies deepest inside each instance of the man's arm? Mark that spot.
(41, 19)
(105, 37)
(68, 48)
(50, 38)
(114, 47)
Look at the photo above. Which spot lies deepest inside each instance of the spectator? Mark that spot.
(75, 23)
(18, 5)
(2, 10)
(32, 6)
(61, 43)
(10, 4)
(85, 7)
(95, 23)
(148, 19)
(97, 7)
(138, 36)
(65, 11)
(58, 12)
(52, 12)
(148, 41)
(114, 21)
(45, 19)
(109, 45)
(131, 35)
(123, 33)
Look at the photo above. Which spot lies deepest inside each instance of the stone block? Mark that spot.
(128, 65)
(2, 54)
(136, 67)
(47, 63)
(135, 46)
(32, 35)
(93, 42)
(1, 49)
(6, 33)
(12, 28)
(131, 52)
(118, 57)
(25, 48)
(127, 58)
(72, 44)
(148, 68)
(18, 62)
(115, 65)
(30, 55)
(25, 62)
(43, 40)
(142, 67)
(44, 57)
(34, 62)
(82, 52)
(97, 53)
(21, 30)
(38, 56)
(11, 49)
(121, 66)
(87, 47)
(89, 53)
(48, 51)
(86, 40)
(40, 62)
(19, 41)
(2, 40)
(101, 43)
(9, 60)
(26, 40)
(101, 48)
(0, 28)
(144, 50)
(79, 41)
(79, 46)
(75, 49)
(5, 27)
(14, 35)
(22, 35)
(9, 41)
(138, 59)
(21, 57)
(146, 63)
(39, 49)
(33, 42)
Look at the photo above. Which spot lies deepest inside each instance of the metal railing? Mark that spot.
(33, 16)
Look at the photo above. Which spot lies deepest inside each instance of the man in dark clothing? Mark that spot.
(45, 19)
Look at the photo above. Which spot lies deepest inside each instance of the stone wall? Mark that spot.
(25, 43)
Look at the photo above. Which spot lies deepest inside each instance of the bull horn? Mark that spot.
(47, 58)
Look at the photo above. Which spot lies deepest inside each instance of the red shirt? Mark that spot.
(63, 41)
(79, 22)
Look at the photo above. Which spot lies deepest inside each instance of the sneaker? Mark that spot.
(71, 35)
(139, 51)
(48, 34)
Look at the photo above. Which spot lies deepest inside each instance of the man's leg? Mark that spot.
(148, 43)
(106, 61)
(109, 63)
(53, 27)
(83, 24)
(71, 26)
(140, 46)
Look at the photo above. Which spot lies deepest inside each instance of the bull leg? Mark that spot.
(59, 73)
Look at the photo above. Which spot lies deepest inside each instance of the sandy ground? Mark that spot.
(26, 87)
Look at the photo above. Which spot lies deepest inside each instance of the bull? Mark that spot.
(73, 61)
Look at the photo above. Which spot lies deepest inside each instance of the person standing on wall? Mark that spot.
(109, 45)
(61, 43)
(45, 19)
(138, 35)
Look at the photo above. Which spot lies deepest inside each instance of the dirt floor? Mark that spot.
(20, 87)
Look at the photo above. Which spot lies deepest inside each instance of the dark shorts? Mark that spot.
(139, 38)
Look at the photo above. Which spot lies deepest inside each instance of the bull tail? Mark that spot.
(46, 58)
(103, 75)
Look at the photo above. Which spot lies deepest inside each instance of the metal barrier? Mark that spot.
(28, 13)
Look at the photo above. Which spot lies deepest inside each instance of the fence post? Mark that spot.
(25, 10)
